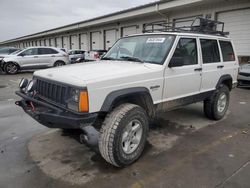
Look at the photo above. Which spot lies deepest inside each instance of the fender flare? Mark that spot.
(223, 78)
(117, 95)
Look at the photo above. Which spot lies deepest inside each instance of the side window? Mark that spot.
(185, 53)
(46, 51)
(210, 51)
(227, 51)
(32, 51)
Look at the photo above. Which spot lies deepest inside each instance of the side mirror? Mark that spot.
(176, 62)
(21, 55)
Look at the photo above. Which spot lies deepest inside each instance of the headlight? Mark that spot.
(31, 86)
(23, 83)
(75, 95)
(78, 100)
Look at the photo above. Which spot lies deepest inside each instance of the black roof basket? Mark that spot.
(197, 25)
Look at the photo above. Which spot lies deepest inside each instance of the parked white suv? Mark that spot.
(33, 58)
(112, 100)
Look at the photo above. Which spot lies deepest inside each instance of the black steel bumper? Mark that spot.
(52, 116)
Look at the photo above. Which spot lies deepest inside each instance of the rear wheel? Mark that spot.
(59, 64)
(11, 68)
(215, 107)
(123, 135)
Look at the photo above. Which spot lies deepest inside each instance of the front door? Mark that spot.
(29, 58)
(183, 74)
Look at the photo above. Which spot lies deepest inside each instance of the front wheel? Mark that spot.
(215, 107)
(11, 68)
(123, 135)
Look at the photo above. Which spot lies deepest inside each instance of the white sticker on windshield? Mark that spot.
(155, 40)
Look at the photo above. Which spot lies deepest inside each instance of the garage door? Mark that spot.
(129, 30)
(46, 42)
(84, 42)
(187, 21)
(110, 38)
(74, 42)
(95, 41)
(238, 24)
(52, 42)
(66, 43)
(42, 42)
(59, 42)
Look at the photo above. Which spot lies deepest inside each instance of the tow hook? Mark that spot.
(18, 103)
(90, 136)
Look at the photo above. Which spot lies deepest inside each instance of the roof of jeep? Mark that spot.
(185, 34)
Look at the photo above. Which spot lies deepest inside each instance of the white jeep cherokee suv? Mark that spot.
(33, 58)
(112, 100)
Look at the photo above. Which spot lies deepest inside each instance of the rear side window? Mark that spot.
(210, 51)
(227, 51)
(44, 51)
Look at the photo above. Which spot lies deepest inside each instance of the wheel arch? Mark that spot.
(138, 95)
(226, 80)
(14, 62)
(59, 60)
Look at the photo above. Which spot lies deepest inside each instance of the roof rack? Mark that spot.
(198, 25)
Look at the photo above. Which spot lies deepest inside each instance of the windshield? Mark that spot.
(16, 52)
(146, 48)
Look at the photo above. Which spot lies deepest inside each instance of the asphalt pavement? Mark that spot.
(184, 149)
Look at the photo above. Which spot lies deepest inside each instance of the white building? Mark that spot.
(102, 32)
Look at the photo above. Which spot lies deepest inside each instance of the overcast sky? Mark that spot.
(23, 17)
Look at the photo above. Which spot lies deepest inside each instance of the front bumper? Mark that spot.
(52, 116)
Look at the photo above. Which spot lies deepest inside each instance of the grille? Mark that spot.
(52, 91)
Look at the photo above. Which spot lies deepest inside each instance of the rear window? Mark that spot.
(227, 51)
(210, 51)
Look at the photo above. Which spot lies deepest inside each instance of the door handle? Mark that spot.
(198, 69)
(35, 56)
(53, 56)
(220, 66)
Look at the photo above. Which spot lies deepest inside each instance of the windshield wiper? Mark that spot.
(129, 58)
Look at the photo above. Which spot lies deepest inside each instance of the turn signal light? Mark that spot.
(83, 102)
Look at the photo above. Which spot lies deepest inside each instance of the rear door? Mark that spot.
(185, 80)
(212, 66)
(46, 56)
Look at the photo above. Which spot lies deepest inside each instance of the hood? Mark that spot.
(6, 56)
(81, 74)
(245, 68)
